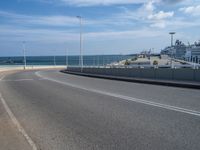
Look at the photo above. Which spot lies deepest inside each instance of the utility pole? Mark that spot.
(81, 44)
(24, 54)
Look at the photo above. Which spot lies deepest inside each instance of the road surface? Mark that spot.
(67, 112)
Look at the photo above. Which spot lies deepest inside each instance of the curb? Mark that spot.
(139, 80)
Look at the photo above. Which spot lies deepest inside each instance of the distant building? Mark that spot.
(177, 51)
(193, 53)
(170, 51)
(180, 49)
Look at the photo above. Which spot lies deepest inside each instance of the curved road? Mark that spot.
(67, 112)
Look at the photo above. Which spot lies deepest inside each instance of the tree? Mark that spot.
(127, 63)
(155, 62)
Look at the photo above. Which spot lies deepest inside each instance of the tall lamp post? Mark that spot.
(54, 60)
(81, 44)
(24, 53)
(66, 59)
(172, 39)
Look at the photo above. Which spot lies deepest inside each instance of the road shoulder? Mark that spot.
(10, 137)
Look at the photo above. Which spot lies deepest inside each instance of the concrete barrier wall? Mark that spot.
(183, 74)
(148, 73)
(164, 73)
(197, 75)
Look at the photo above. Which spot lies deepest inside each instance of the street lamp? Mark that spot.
(172, 38)
(54, 60)
(66, 58)
(24, 53)
(81, 45)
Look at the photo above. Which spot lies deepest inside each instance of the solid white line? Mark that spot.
(17, 80)
(17, 124)
(1, 78)
(23, 80)
(168, 107)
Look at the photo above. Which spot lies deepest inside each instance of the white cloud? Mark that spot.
(161, 15)
(109, 2)
(112, 2)
(101, 2)
(10, 33)
(149, 7)
(64, 21)
(145, 33)
(161, 24)
(149, 13)
(146, 9)
(193, 10)
(172, 1)
(41, 20)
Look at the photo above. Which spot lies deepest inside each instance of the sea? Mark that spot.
(91, 60)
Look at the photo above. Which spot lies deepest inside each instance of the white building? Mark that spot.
(176, 51)
(193, 53)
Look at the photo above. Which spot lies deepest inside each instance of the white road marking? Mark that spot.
(16, 123)
(17, 80)
(41, 79)
(155, 104)
(1, 78)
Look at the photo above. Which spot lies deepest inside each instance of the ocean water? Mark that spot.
(95, 60)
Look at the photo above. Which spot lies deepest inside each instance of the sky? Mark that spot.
(51, 27)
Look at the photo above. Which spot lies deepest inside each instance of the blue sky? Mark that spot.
(110, 26)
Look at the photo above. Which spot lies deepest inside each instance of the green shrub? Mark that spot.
(155, 62)
(127, 63)
(134, 59)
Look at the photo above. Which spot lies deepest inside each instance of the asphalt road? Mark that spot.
(67, 112)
